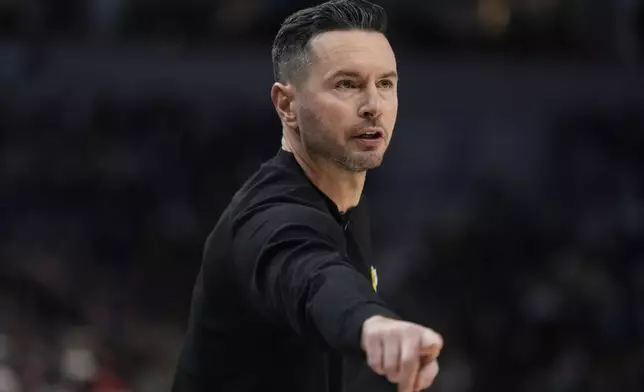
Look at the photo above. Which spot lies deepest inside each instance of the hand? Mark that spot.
(402, 351)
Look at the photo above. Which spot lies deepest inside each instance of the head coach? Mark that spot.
(286, 297)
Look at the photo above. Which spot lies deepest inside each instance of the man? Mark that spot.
(285, 299)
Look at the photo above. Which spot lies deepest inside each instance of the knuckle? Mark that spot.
(433, 337)
(413, 342)
(408, 361)
(390, 332)
(438, 337)
(373, 363)
(392, 377)
(391, 369)
(371, 338)
(414, 330)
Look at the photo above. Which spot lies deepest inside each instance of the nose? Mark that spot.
(372, 106)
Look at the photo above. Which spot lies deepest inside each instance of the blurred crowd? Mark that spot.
(105, 201)
(597, 28)
(103, 221)
(545, 297)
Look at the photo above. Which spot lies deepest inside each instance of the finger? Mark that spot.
(432, 351)
(374, 349)
(391, 357)
(426, 375)
(409, 364)
(431, 343)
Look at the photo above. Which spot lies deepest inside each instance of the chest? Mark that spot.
(358, 248)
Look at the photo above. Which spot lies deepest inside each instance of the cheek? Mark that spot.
(392, 113)
(337, 117)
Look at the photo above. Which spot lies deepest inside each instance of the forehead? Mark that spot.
(353, 50)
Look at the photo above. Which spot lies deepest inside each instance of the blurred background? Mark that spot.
(509, 213)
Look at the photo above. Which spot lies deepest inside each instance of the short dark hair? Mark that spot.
(291, 49)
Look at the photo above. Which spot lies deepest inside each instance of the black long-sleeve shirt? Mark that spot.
(284, 288)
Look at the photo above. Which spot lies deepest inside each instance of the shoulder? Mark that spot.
(286, 212)
(280, 197)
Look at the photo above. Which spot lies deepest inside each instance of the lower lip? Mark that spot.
(369, 142)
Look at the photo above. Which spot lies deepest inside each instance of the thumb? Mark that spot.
(431, 344)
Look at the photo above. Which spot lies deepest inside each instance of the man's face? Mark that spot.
(347, 106)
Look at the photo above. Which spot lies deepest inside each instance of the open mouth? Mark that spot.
(369, 135)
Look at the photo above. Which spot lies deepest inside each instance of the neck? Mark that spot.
(344, 188)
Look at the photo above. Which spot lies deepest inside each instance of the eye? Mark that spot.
(386, 83)
(345, 84)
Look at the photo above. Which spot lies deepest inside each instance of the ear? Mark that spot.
(282, 96)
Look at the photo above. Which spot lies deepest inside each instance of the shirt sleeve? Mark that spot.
(292, 260)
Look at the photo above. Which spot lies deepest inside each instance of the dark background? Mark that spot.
(509, 213)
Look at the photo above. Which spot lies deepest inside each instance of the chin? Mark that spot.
(373, 165)
(363, 163)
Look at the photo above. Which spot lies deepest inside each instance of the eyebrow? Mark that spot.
(353, 74)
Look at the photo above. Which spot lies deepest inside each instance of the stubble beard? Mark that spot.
(319, 142)
(360, 161)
